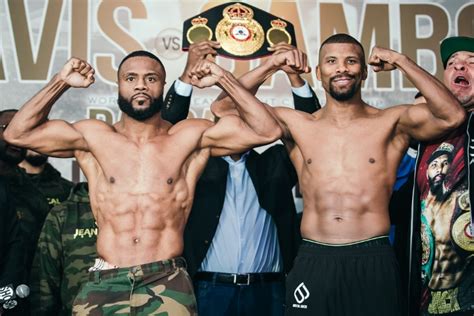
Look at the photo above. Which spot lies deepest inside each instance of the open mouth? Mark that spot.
(461, 81)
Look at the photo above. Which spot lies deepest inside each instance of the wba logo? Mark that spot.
(301, 293)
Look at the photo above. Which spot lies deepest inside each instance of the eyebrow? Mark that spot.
(469, 55)
(146, 75)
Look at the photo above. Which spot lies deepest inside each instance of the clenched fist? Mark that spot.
(383, 59)
(77, 73)
(205, 74)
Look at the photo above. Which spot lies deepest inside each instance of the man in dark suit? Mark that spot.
(243, 233)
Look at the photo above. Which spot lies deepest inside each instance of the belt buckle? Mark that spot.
(247, 282)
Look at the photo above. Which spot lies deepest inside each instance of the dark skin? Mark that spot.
(141, 174)
(346, 154)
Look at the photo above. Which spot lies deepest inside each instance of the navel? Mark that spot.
(309, 161)
(136, 240)
(112, 180)
(371, 160)
(169, 181)
(338, 219)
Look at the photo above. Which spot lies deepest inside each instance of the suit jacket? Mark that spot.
(273, 177)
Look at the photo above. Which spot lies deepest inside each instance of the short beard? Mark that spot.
(343, 96)
(36, 160)
(437, 189)
(138, 114)
(11, 157)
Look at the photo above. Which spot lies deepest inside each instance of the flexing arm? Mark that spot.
(424, 121)
(30, 127)
(285, 57)
(254, 126)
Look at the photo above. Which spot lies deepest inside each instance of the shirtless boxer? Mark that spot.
(142, 174)
(346, 156)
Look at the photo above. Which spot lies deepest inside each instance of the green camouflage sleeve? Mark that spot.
(45, 286)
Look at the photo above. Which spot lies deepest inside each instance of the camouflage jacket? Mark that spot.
(66, 250)
(34, 196)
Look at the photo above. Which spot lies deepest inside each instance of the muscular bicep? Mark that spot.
(232, 135)
(420, 123)
(56, 138)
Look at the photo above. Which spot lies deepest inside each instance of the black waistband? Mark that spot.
(370, 246)
(239, 279)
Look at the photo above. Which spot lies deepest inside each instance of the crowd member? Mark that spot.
(12, 268)
(442, 219)
(141, 200)
(66, 250)
(242, 234)
(35, 187)
(346, 156)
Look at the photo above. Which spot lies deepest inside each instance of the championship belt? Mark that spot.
(461, 231)
(244, 31)
(427, 250)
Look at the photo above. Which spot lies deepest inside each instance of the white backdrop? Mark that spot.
(38, 36)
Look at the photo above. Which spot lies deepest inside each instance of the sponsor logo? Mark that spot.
(301, 294)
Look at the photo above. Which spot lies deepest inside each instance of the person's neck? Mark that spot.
(344, 110)
(141, 130)
(235, 157)
(31, 169)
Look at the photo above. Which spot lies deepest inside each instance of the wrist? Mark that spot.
(185, 78)
(398, 59)
(295, 80)
(60, 82)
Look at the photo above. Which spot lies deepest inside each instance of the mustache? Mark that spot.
(141, 94)
(344, 75)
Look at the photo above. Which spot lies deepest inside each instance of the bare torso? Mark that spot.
(346, 172)
(141, 190)
(447, 265)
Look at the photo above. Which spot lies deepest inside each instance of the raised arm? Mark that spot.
(178, 97)
(441, 112)
(30, 127)
(254, 125)
(285, 57)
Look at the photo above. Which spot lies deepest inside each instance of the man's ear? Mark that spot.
(364, 72)
(318, 73)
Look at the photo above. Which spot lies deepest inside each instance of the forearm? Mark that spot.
(295, 80)
(35, 111)
(252, 80)
(441, 102)
(250, 109)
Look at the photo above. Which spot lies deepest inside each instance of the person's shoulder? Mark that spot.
(284, 112)
(190, 124)
(93, 125)
(392, 111)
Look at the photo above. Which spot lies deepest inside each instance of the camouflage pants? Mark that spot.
(157, 288)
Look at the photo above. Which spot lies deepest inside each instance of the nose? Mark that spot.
(140, 84)
(341, 67)
(459, 65)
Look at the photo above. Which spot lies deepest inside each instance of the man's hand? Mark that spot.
(299, 58)
(289, 59)
(197, 52)
(205, 74)
(383, 59)
(77, 73)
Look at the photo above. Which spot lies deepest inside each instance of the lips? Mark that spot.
(462, 81)
(342, 79)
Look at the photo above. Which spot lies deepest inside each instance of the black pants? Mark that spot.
(356, 279)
